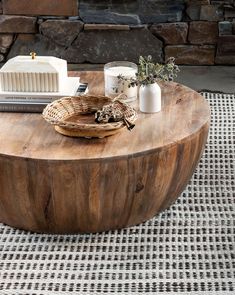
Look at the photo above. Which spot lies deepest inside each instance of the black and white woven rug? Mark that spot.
(188, 249)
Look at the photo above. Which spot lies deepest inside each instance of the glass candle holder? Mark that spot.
(113, 86)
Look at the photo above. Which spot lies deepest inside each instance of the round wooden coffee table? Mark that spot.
(55, 184)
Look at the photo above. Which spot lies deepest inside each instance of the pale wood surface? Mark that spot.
(54, 184)
(28, 135)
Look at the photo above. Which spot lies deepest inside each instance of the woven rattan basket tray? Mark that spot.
(74, 116)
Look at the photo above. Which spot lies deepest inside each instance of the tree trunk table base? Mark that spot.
(55, 184)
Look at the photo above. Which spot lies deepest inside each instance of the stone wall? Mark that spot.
(196, 32)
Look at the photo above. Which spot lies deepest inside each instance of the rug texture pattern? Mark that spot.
(188, 249)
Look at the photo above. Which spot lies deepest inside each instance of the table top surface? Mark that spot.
(184, 113)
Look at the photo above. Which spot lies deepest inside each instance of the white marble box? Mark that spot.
(37, 74)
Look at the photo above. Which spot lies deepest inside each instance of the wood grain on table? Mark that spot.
(55, 184)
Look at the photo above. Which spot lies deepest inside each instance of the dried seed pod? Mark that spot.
(113, 112)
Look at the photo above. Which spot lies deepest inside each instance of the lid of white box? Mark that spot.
(34, 64)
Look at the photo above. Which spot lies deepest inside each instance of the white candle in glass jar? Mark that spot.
(114, 86)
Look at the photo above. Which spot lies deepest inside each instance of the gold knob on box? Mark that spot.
(33, 55)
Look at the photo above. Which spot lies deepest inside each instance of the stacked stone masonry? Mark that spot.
(195, 32)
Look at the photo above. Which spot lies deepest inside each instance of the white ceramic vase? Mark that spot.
(150, 98)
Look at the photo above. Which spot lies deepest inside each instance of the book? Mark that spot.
(35, 103)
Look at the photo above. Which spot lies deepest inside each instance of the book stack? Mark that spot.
(31, 102)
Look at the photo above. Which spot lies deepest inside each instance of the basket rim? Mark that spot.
(73, 125)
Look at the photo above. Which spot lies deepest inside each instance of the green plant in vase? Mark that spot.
(149, 73)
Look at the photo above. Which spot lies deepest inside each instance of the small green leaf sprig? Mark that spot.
(150, 72)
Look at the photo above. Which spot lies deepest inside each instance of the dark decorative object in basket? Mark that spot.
(114, 112)
(78, 116)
